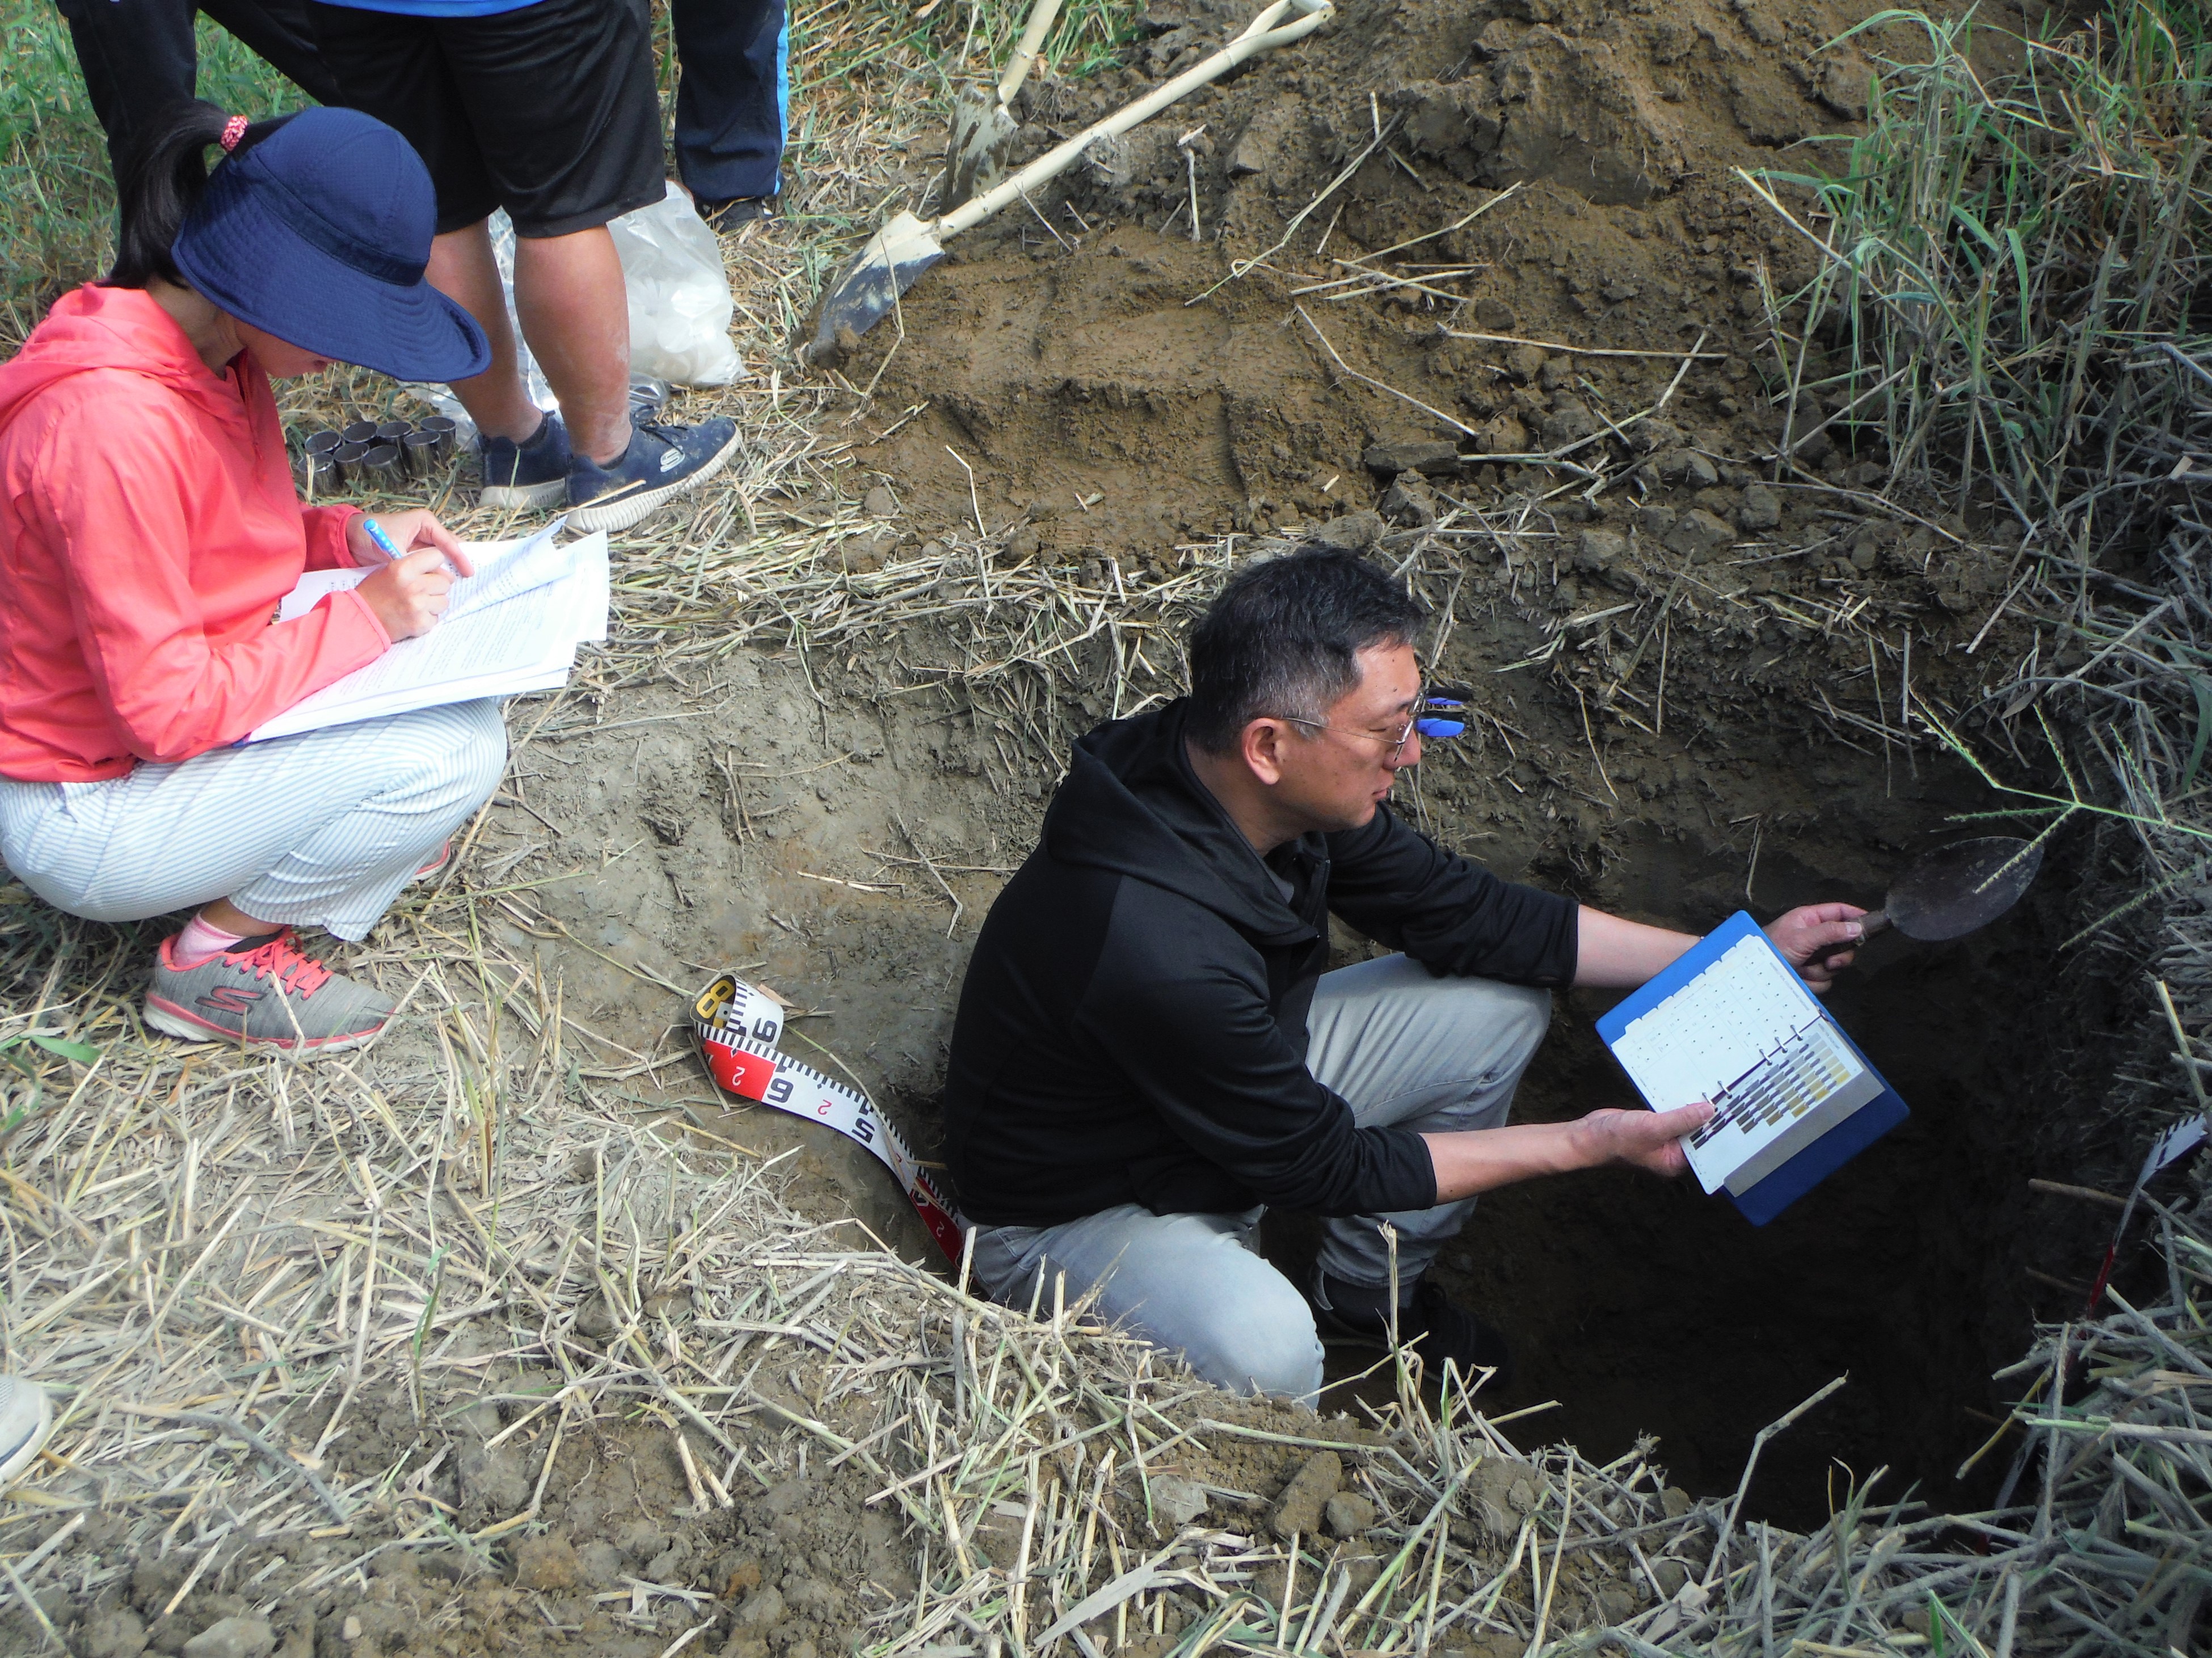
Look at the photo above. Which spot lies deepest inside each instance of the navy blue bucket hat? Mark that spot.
(319, 234)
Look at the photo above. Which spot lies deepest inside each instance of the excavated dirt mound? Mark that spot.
(1093, 347)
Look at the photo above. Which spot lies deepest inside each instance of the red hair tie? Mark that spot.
(233, 130)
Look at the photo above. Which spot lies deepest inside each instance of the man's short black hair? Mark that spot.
(1283, 640)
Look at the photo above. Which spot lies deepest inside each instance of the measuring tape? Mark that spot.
(738, 1027)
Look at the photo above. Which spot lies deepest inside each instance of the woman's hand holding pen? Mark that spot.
(418, 558)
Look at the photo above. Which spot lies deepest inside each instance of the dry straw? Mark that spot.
(220, 1264)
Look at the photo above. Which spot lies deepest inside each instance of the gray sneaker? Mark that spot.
(266, 994)
(27, 1417)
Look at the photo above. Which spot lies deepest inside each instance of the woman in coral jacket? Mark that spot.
(149, 527)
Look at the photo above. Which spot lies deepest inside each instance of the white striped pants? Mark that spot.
(321, 829)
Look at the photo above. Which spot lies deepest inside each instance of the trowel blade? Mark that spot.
(889, 263)
(983, 134)
(1951, 891)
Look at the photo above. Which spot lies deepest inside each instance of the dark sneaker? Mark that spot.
(661, 461)
(532, 473)
(723, 217)
(263, 993)
(1431, 1327)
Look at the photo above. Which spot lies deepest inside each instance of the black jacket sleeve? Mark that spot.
(1179, 1002)
(1403, 890)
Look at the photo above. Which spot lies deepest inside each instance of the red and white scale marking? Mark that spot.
(738, 1027)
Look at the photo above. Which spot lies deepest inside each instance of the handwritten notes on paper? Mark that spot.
(512, 627)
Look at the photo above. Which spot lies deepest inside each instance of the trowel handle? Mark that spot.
(1873, 922)
(1260, 36)
(1025, 51)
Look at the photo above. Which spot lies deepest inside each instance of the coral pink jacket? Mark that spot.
(148, 527)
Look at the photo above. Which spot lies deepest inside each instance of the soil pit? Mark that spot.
(1713, 662)
(1641, 1307)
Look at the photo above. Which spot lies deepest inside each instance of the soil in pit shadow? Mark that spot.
(1636, 1306)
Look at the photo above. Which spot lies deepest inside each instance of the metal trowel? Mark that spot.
(1954, 890)
(983, 124)
(893, 259)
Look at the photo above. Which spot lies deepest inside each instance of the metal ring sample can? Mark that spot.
(447, 434)
(380, 468)
(361, 431)
(314, 467)
(418, 451)
(392, 431)
(347, 458)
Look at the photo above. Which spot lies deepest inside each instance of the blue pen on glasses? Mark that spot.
(1440, 727)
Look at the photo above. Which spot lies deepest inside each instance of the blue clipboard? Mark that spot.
(1794, 1178)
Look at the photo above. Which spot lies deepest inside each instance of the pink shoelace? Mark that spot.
(280, 959)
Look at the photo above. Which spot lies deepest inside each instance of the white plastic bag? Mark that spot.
(679, 295)
(679, 304)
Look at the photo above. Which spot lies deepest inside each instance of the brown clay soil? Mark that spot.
(1091, 351)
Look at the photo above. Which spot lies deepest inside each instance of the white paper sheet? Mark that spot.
(503, 570)
(514, 628)
(1747, 1035)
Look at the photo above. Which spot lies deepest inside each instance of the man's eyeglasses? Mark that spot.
(1391, 750)
(1393, 747)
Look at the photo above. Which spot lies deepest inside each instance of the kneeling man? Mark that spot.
(1147, 1052)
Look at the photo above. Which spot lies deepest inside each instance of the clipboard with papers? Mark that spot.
(1732, 1022)
(512, 627)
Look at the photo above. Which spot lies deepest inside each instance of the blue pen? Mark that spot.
(1434, 728)
(374, 532)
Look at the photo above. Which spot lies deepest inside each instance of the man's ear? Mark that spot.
(1261, 747)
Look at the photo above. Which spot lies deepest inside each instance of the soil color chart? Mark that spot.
(1747, 1034)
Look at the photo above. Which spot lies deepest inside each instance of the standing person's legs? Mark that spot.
(550, 112)
(560, 102)
(134, 56)
(278, 33)
(732, 103)
(1192, 1284)
(570, 293)
(1409, 1050)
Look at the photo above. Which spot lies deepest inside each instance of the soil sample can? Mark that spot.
(393, 432)
(447, 434)
(380, 468)
(317, 468)
(361, 431)
(346, 458)
(419, 451)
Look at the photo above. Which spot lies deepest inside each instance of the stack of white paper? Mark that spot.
(512, 627)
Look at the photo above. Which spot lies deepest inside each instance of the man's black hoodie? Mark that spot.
(1133, 1029)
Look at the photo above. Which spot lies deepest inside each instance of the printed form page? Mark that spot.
(524, 613)
(1747, 1035)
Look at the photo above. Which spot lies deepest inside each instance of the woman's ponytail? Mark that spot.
(160, 177)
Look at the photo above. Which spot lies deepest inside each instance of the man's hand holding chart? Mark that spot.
(1657, 1142)
(1735, 1024)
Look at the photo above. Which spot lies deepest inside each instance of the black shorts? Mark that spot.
(548, 111)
